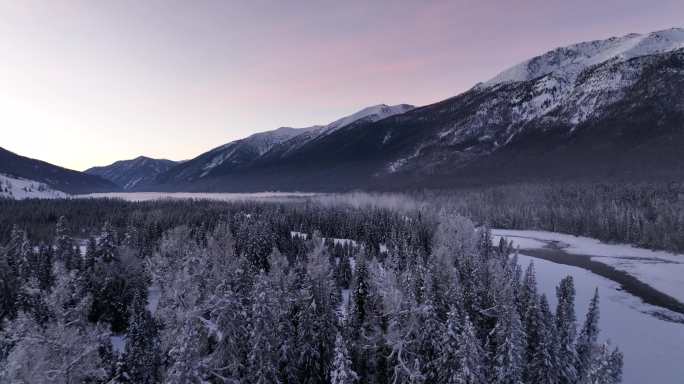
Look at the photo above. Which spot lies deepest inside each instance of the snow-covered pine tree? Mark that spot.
(470, 357)
(90, 254)
(262, 368)
(9, 288)
(360, 294)
(18, 252)
(106, 245)
(586, 341)
(448, 361)
(65, 350)
(185, 357)
(531, 318)
(344, 271)
(42, 269)
(310, 365)
(566, 328)
(64, 245)
(542, 367)
(429, 334)
(607, 366)
(341, 370)
(508, 336)
(142, 357)
(528, 292)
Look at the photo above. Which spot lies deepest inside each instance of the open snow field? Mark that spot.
(653, 346)
(18, 188)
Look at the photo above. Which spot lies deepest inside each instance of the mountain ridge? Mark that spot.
(240, 153)
(582, 123)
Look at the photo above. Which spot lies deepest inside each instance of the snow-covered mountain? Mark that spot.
(369, 114)
(241, 153)
(605, 109)
(569, 62)
(19, 189)
(129, 174)
(602, 110)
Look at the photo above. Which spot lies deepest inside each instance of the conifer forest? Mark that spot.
(310, 291)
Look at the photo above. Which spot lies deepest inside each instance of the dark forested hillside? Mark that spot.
(62, 179)
(649, 215)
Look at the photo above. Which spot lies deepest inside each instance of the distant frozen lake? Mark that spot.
(149, 196)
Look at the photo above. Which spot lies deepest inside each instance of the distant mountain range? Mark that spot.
(602, 110)
(240, 155)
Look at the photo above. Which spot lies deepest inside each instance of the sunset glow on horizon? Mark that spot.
(86, 83)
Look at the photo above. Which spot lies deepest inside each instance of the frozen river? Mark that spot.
(650, 336)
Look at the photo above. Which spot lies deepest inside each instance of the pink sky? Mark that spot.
(86, 83)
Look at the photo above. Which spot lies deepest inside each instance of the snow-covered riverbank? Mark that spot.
(652, 347)
(661, 270)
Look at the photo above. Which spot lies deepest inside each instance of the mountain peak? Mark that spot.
(571, 60)
(131, 173)
(372, 113)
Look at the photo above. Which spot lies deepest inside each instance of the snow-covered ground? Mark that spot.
(18, 188)
(653, 348)
(661, 270)
(148, 196)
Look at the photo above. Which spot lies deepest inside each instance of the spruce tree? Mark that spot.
(64, 245)
(566, 328)
(470, 358)
(142, 357)
(531, 318)
(607, 366)
(262, 357)
(542, 367)
(586, 341)
(106, 246)
(449, 363)
(90, 254)
(508, 337)
(341, 370)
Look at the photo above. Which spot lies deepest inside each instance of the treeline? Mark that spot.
(238, 298)
(646, 215)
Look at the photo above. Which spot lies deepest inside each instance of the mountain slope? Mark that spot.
(129, 174)
(58, 178)
(610, 109)
(242, 154)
